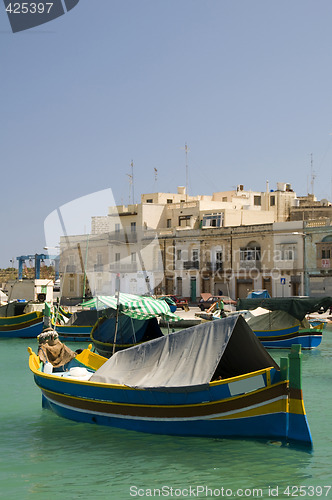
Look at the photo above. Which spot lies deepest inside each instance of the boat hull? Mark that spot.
(26, 326)
(309, 338)
(256, 405)
(260, 427)
(72, 333)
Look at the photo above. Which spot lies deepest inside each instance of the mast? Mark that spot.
(313, 176)
(117, 293)
(131, 184)
(186, 151)
(132, 180)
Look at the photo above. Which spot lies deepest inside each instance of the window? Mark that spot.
(213, 220)
(133, 257)
(288, 254)
(218, 261)
(195, 255)
(99, 258)
(133, 227)
(117, 228)
(257, 200)
(71, 285)
(325, 254)
(117, 257)
(169, 200)
(169, 223)
(149, 200)
(178, 255)
(224, 198)
(179, 285)
(272, 201)
(285, 252)
(184, 220)
(249, 253)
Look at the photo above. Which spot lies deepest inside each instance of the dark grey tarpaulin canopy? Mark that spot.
(12, 309)
(88, 318)
(295, 306)
(189, 358)
(272, 320)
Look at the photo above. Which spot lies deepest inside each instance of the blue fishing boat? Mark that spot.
(77, 327)
(15, 322)
(283, 322)
(89, 323)
(278, 330)
(212, 380)
(131, 332)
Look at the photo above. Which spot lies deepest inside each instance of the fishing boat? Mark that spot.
(77, 327)
(282, 322)
(97, 321)
(278, 330)
(21, 320)
(212, 380)
(131, 332)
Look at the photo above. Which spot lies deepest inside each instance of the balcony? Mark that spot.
(251, 264)
(286, 264)
(99, 268)
(122, 237)
(123, 268)
(70, 268)
(191, 264)
(212, 267)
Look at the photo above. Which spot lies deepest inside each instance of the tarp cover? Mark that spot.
(259, 294)
(189, 358)
(272, 320)
(135, 306)
(12, 309)
(296, 306)
(129, 330)
(86, 318)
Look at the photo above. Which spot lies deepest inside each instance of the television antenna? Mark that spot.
(131, 183)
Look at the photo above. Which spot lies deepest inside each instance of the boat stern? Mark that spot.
(298, 427)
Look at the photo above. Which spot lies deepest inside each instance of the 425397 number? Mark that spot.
(29, 8)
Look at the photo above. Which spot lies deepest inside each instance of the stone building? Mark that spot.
(230, 242)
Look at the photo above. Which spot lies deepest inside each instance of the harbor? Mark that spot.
(166, 259)
(40, 447)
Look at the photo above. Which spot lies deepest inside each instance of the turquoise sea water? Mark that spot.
(46, 457)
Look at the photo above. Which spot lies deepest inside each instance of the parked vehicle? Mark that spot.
(207, 300)
(56, 286)
(179, 302)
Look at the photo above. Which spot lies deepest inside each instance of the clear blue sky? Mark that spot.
(245, 83)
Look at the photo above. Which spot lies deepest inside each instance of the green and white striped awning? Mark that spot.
(135, 306)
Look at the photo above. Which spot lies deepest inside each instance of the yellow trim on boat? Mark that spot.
(296, 406)
(38, 314)
(193, 405)
(244, 376)
(96, 361)
(279, 406)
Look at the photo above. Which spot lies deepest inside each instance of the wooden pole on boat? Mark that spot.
(295, 368)
(298, 428)
(117, 317)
